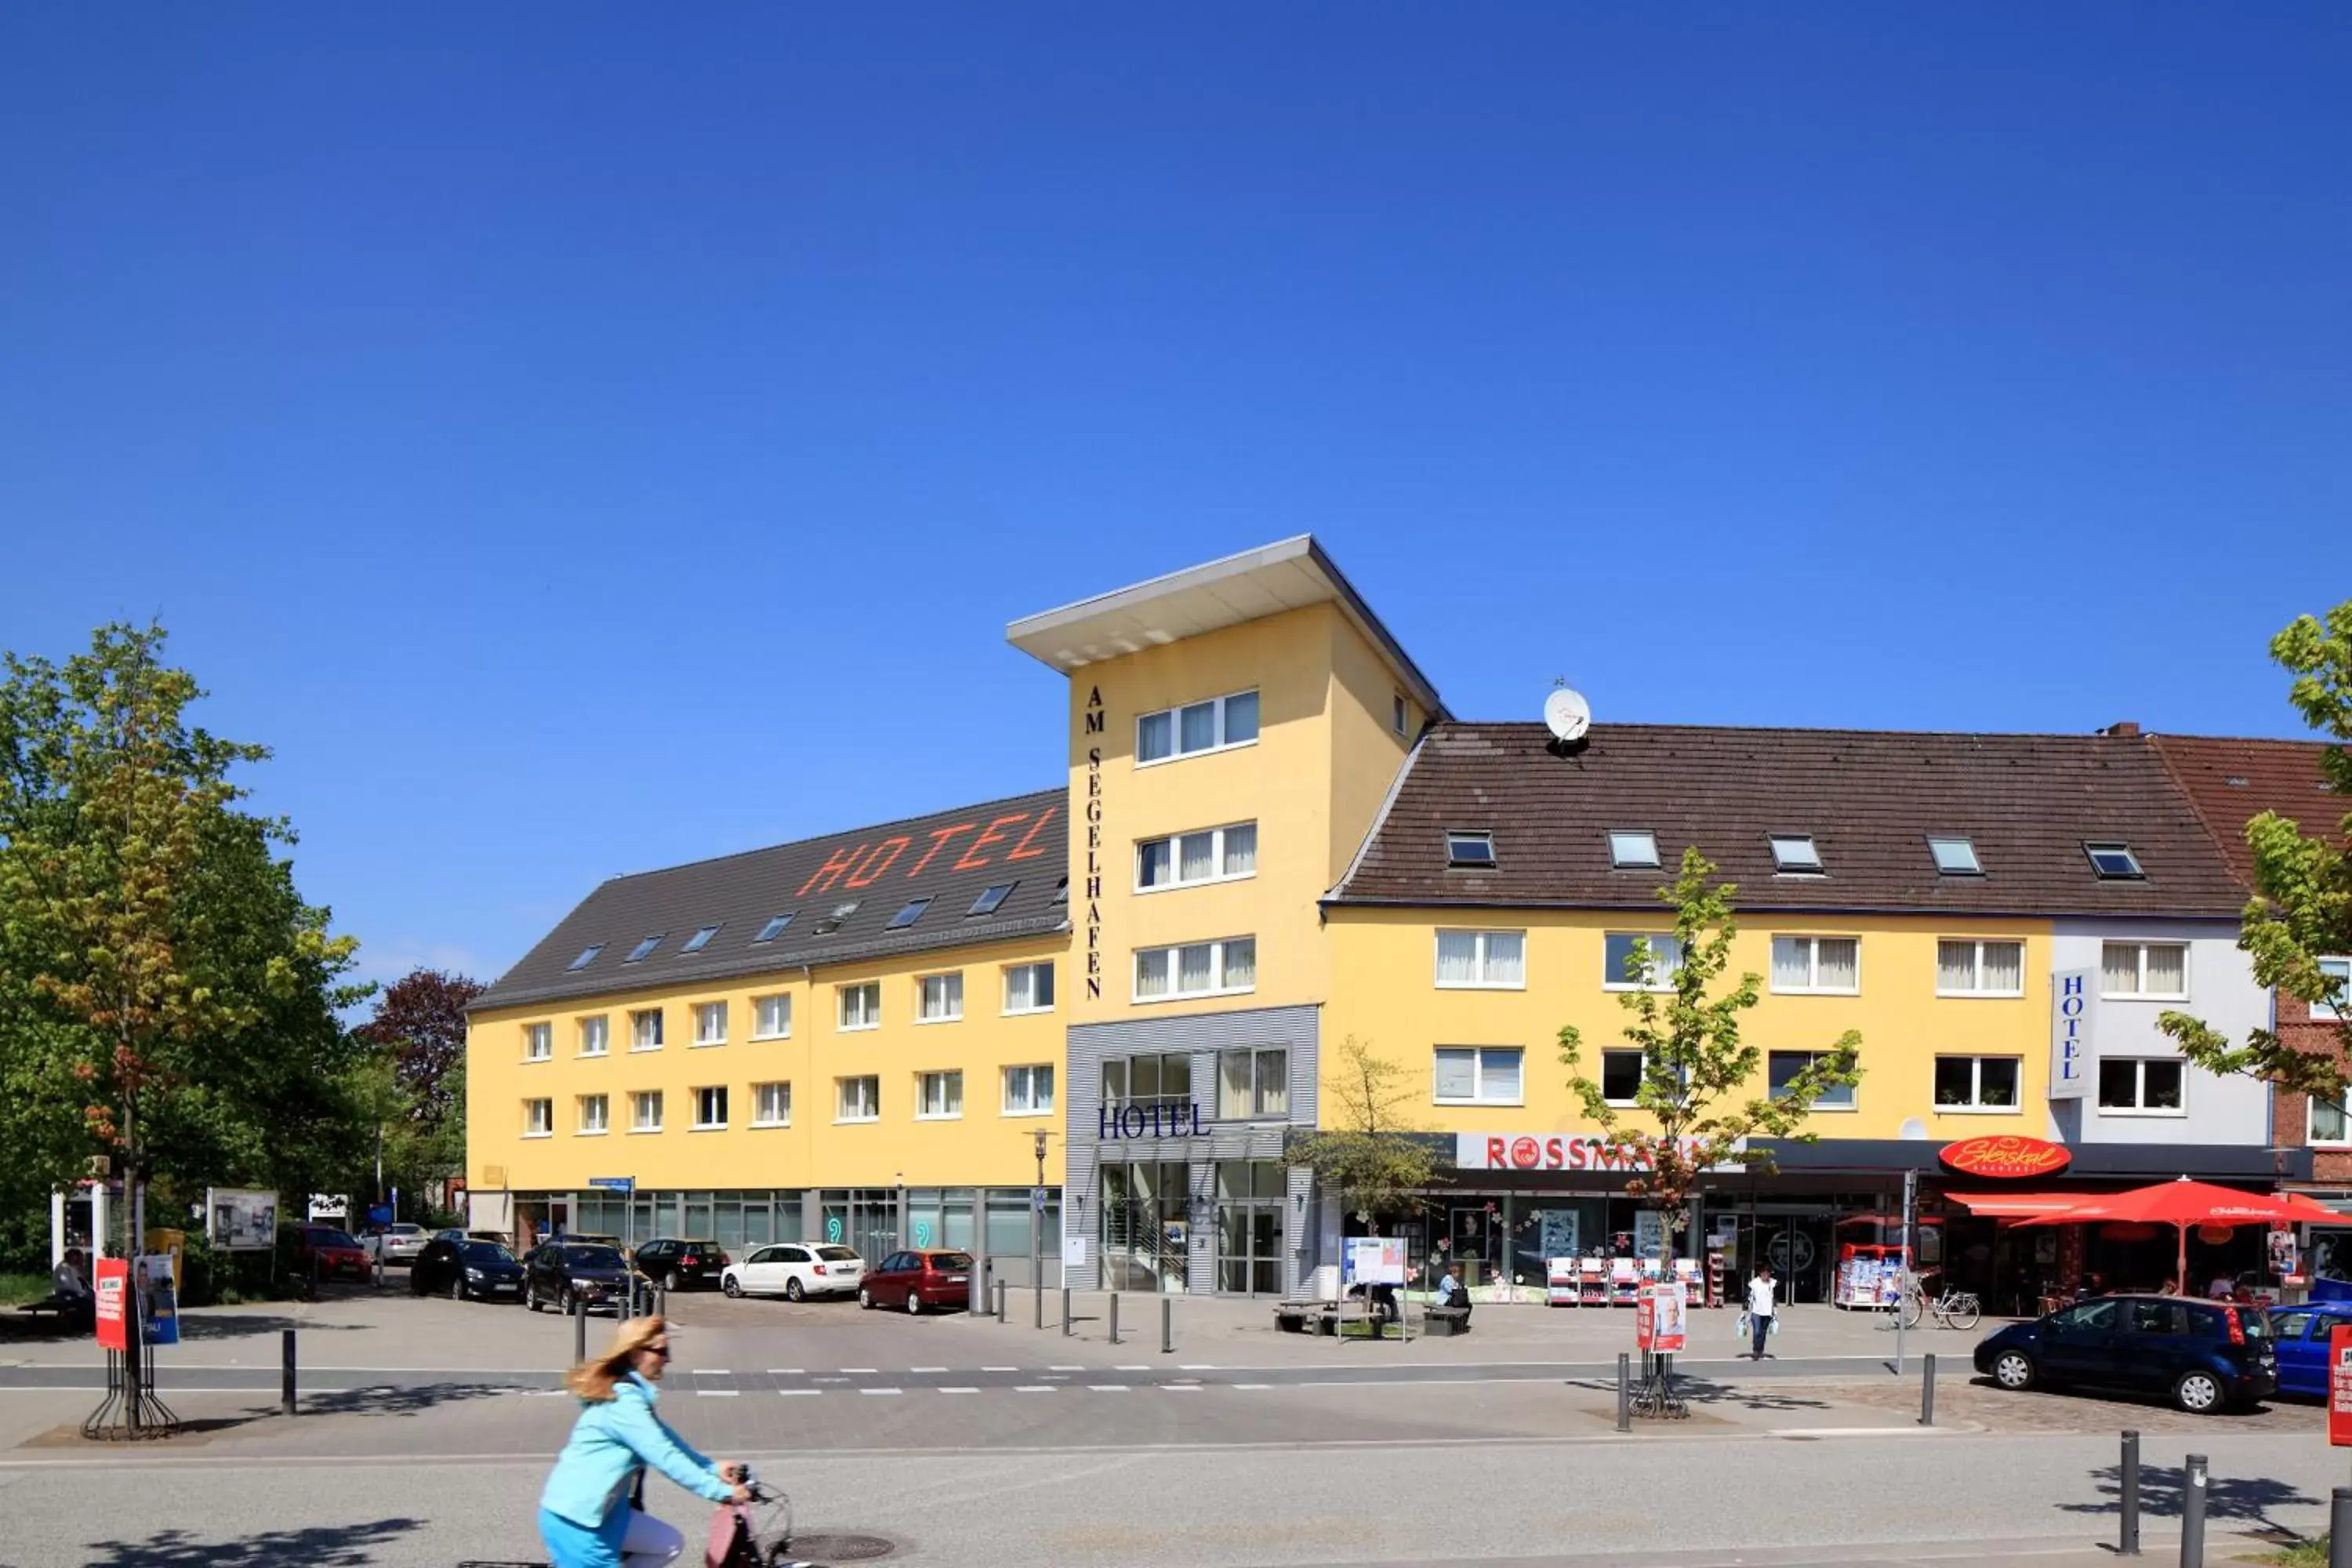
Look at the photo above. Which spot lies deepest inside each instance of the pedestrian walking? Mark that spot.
(1760, 1307)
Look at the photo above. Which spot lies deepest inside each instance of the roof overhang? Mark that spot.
(1250, 586)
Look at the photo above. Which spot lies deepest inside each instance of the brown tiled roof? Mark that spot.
(2232, 781)
(948, 856)
(1870, 799)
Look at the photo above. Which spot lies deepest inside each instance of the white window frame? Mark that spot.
(539, 1117)
(1009, 1107)
(1803, 858)
(2140, 970)
(1177, 881)
(870, 993)
(1612, 976)
(2328, 1013)
(840, 1086)
(2343, 1107)
(1009, 1011)
(1976, 1105)
(703, 1014)
(1216, 947)
(1979, 968)
(638, 1031)
(759, 1117)
(637, 1098)
(1975, 868)
(759, 1008)
(700, 1124)
(1175, 716)
(1852, 1091)
(951, 982)
(1478, 1095)
(1620, 862)
(1481, 959)
(2141, 1089)
(1813, 987)
(539, 1042)
(602, 1030)
(1640, 1067)
(604, 1103)
(923, 1080)
(1400, 716)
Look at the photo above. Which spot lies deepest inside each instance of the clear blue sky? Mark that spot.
(585, 437)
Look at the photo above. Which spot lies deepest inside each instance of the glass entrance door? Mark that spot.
(1249, 1227)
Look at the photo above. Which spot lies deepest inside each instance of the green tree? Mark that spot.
(2302, 908)
(1374, 1158)
(165, 996)
(1695, 1101)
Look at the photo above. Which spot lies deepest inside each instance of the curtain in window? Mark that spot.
(1114, 1082)
(1457, 1074)
(1041, 1089)
(1791, 964)
(1240, 718)
(1198, 727)
(952, 1093)
(1232, 1087)
(2167, 969)
(1241, 963)
(1241, 850)
(1507, 958)
(1956, 966)
(1158, 856)
(1151, 973)
(1197, 856)
(1501, 1076)
(2327, 1121)
(1457, 958)
(2004, 966)
(1837, 960)
(1017, 987)
(1273, 1083)
(2119, 968)
(1153, 738)
(1192, 968)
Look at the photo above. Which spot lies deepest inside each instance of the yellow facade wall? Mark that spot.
(983, 1147)
(1385, 994)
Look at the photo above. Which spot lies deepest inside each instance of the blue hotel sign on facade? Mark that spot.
(1113, 1123)
(2074, 996)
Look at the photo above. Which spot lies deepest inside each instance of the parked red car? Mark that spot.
(325, 1253)
(919, 1281)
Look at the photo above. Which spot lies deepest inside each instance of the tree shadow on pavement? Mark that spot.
(2247, 1500)
(1706, 1391)
(411, 1399)
(242, 1325)
(317, 1546)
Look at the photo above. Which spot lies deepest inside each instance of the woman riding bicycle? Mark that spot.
(585, 1515)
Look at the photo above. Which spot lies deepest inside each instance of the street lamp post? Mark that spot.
(1037, 1226)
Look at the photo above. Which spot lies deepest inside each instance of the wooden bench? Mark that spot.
(1439, 1323)
(1295, 1316)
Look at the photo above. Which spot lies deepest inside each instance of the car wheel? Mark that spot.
(2013, 1369)
(733, 1286)
(914, 1303)
(673, 1280)
(865, 1298)
(2198, 1393)
(457, 1286)
(530, 1294)
(792, 1292)
(563, 1302)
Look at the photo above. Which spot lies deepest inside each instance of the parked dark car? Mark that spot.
(2204, 1355)
(678, 1265)
(2300, 1334)
(564, 1271)
(919, 1281)
(463, 1270)
(325, 1253)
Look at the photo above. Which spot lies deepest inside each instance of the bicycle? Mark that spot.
(1952, 1309)
(758, 1534)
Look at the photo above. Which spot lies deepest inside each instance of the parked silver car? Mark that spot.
(396, 1243)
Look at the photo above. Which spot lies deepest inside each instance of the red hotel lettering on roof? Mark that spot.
(2006, 1157)
(991, 837)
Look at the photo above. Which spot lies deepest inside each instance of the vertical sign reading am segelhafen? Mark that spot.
(1094, 726)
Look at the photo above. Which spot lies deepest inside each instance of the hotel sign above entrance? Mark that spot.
(1113, 1123)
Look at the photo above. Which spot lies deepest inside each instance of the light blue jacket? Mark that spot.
(611, 1442)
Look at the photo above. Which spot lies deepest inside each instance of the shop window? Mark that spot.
(1223, 968)
(538, 1042)
(538, 1117)
(772, 1105)
(939, 998)
(2147, 1085)
(1482, 960)
(1029, 1090)
(861, 1006)
(1252, 1085)
(711, 1023)
(710, 1108)
(1159, 1079)
(1781, 1069)
(1621, 966)
(594, 1036)
(1187, 859)
(1621, 1076)
(1478, 1075)
(1965, 967)
(2153, 971)
(859, 1098)
(1817, 965)
(646, 1029)
(1210, 726)
(772, 1017)
(1977, 1083)
(594, 1112)
(1029, 987)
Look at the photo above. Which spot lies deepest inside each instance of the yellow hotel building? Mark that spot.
(1274, 838)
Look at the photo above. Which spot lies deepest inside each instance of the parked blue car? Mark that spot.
(2207, 1355)
(2300, 1334)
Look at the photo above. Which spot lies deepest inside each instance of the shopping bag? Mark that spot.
(1744, 1326)
(1772, 1324)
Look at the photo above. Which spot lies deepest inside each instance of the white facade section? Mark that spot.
(2220, 990)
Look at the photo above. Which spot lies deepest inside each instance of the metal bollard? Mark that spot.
(1114, 1317)
(1167, 1326)
(1000, 1300)
(2129, 1545)
(2339, 1528)
(1037, 1304)
(579, 1328)
(1066, 1311)
(1625, 1392)
(661, 1301)
(286, 1388)
(1927, 1392)
(2192, 1512)
(976, 1302)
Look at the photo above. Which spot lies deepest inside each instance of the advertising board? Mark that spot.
(240, 1220)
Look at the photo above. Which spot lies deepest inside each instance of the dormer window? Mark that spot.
(773, 929)
(644, 950)
(587, 956)
(1793, 854)
(699, 941)
(840, 912)
(1470, 851)
(1954, 857)
(910, 915)
(1633, 849)
(2114, 862)
(989, 899)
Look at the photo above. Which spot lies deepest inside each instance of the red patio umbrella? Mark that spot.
(2184, 1203)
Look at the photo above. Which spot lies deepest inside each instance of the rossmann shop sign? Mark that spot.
(1554, 1152)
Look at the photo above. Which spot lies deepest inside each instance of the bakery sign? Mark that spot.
(2006, 1157)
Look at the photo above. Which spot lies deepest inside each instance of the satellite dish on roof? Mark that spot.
(1568, 714)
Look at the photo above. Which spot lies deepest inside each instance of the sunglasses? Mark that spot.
(661, 1350)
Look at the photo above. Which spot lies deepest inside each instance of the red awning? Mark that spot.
(2016, 1206)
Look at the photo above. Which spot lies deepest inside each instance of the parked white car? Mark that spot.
(794, 1270)
(397, 1243)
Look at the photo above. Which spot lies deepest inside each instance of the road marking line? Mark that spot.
(1182, 1387)
(1000, 1369)
(1253, 1385)
(718, 1393)
(1065, 1369)
(922, 1369)
(1131, 1369)
(712, 1372)
(1033, 1388)
(1188, 1367)
(786, 1372)
(1859, 1432)
(866, 1369)
(959, 1390)
(789, 1392)
(1111, 1387)
(881, 1391)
